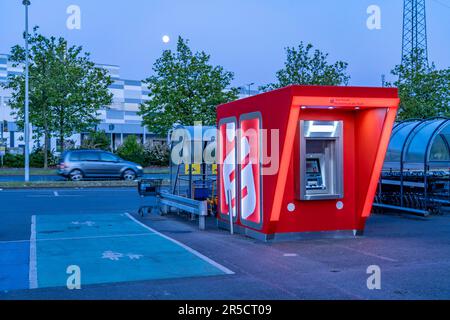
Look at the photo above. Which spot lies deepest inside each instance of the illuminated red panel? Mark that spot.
(227, 167)
(250, 171)
(382, 148)
(284, 163)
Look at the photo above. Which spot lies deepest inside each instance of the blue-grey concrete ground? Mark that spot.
(413, 254)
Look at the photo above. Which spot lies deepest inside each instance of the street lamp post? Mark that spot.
(26, 3)
(249, 88)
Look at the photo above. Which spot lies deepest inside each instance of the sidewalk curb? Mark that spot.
(72, 185)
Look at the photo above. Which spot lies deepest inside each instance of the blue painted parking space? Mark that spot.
(111, 248)
(14, 262)
(51, 227)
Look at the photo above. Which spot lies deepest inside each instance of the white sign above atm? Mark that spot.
(344, 102)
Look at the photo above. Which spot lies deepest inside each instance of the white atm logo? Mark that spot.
(241, 170)
(248, 189)
(229, 167)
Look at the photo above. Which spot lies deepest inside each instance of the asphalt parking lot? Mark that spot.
(168, 258)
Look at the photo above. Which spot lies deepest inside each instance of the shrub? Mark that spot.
(14, 160)
(98, 140)
(132, 150)
(37, 158)
(157, 155)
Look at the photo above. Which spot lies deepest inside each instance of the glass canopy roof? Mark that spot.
(420, 141)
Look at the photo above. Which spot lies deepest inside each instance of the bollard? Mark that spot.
(230, 212)
(203, 211)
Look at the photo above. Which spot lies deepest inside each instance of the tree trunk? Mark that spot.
(61, 129)
(61, 141)
(45, 150)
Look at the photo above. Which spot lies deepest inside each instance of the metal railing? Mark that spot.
(194, 207)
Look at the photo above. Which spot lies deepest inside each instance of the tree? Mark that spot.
(184, 89)
(132, 150)
(66, 89)
(308, 67)
(97, 140)
(424, 91)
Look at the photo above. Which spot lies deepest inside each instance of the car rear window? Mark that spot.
(89, 156)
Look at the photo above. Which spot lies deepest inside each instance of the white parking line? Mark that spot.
(55, 194)
(366, 253)
(32, 275)
(82, 238)
(198, 254)
(290, 255)
(15, 241)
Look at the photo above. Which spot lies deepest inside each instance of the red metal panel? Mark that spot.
(250, 171)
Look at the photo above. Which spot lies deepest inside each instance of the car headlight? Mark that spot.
(139, 167)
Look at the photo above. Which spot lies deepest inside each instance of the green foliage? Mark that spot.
(307, 67)
(132, 150)
(184, 89)
(156, 155)
(37, 158)
(66, 89)
(97, 140)
(423, 90)
(13, 160)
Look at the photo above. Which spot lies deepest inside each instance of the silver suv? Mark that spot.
(77, 165)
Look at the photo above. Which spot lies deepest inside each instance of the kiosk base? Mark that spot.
(288, 236)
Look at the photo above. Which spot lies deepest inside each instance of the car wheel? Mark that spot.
(76, 175)
(129, 175)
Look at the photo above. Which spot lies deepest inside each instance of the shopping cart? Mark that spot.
(149, 188)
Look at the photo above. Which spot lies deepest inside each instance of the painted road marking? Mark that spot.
(78, 238)
(198, 254)
(56, 193)
(290, 255)
(115, 256)
(366, 253)
(33, 280)
(14, 241)
(51, 196)
(60, 226)
(87, 223)
(116, 248)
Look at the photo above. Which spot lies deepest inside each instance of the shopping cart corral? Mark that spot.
(416, 172)
(164, 202)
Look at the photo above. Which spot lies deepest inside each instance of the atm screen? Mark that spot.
(312, 166)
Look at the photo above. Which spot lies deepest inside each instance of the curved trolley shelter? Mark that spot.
(331, 143)
(416, 171)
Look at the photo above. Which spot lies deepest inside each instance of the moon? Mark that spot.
(166, 39)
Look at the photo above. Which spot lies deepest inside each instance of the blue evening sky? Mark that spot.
(245, 36)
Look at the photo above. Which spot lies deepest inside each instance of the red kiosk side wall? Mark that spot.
(371, 150)
(274, 109)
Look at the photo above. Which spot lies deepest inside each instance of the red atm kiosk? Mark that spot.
(302, 159)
